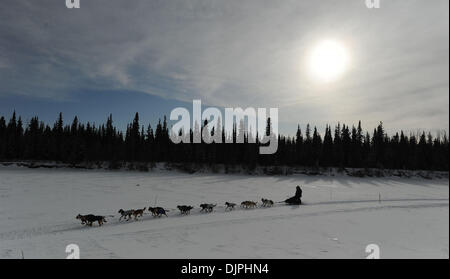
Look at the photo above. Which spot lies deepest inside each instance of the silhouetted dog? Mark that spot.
(207, 207)
(138, 213)
(83, 218)
(90, 218)
(230, 205)
(125, 213)
(185, 209)
(157, 211)
(267, 203)
(248, 204)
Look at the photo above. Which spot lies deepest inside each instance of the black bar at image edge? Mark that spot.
(235, 268)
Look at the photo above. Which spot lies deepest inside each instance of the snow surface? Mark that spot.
(340, 217)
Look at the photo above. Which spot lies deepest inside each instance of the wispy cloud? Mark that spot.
(230, 53)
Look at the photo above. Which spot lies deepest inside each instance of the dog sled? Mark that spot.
(297, 199)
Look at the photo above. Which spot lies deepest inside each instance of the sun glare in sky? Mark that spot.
(328, 61)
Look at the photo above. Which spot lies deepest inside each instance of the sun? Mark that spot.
(328, 61)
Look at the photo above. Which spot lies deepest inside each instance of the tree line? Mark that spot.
(342, 146)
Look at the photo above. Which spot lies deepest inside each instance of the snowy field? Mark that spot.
(340, 217)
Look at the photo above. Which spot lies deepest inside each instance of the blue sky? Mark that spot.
(119, 57)
(92, 106)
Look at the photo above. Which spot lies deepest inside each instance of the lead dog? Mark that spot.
(90, 218)
(83, 218)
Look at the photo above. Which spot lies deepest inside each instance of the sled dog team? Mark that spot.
(127, 215)
(89, 219)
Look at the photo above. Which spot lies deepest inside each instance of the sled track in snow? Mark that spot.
(371, 201)
(234, 219)
(246, 220)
